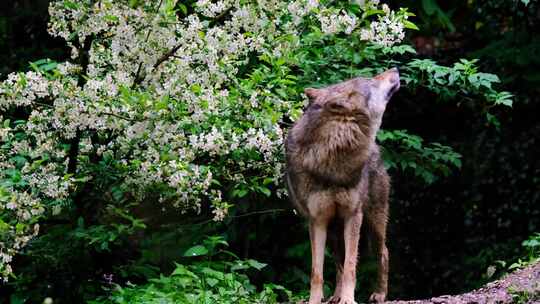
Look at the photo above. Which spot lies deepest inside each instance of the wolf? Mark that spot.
(336, 178)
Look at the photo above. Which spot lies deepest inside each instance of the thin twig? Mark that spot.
(238, 216)
(259, 212)
(120, 116)
(138, 78)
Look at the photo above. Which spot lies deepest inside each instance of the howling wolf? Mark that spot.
(336, 178)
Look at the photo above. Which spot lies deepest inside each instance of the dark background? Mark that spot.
(442, 237)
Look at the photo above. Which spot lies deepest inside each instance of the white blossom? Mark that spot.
(386, 31)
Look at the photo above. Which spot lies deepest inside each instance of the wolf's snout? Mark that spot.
(391, 78)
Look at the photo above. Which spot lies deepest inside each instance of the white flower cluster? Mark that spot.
(27, 87)
(387, 31)
(213, 9)
(332, 23)
(47, 180)
(22, 208)
(300, 8)
(4, 131)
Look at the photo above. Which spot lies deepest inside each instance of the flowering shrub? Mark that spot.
(187, 102)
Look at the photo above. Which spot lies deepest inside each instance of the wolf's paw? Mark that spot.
(333, 300)
(340, 300)
(377, 297)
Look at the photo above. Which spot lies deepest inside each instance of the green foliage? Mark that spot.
(523, 296)
(405, 152)
(526, 257)
(462, 81)
(198, 284)
(213, 279)
(532, 248)
(532, 245)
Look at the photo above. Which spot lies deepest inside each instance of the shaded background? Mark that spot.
(442, 237)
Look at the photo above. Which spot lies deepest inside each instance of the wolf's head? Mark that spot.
(359, 101)
(350, 111)
(334, 137)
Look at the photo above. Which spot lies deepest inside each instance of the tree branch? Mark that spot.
(84, 60)
(166, 56)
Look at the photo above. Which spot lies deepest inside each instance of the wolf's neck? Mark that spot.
(375, 126)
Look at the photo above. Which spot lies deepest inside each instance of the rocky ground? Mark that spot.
(520, 287)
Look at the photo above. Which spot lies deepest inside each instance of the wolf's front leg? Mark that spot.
(317, 233)
(351, 235)
(377, 223)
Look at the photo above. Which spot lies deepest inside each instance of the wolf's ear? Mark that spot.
(312, 93)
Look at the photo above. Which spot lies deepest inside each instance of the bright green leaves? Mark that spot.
(460, 80)
(44, 65)
(406, 152)
(210, 274)
(254, 185)
(211, 246)
(71, 5)
(532, 245)
(197, 250)
(483, 79)
(215, 282)
(502, 98)
(463, 73)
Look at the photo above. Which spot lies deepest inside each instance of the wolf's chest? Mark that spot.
(340, 202)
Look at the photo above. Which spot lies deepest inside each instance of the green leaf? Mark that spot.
(211, 282)
(410, 25)
(112, 18)
(240, 193)
(265, 191)
(255, 264)
(181, 270)
(71, 5)
(198, 250)
(183, 8)
(240, 265)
